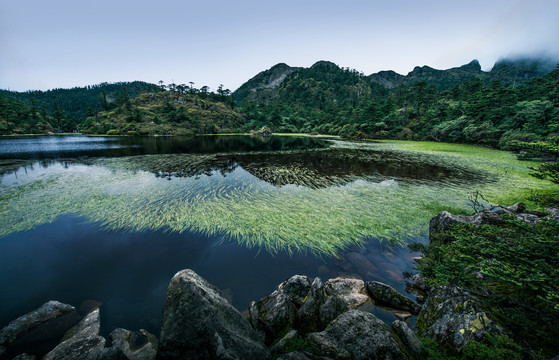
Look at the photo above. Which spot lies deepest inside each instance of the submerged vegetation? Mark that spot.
(302, 210)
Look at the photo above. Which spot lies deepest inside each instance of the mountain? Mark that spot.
(507, 71)
(263, 86)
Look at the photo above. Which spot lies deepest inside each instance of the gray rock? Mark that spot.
(308, 314)
(386, 295)
(26, 323)
(444, 220)
(553, 214)
(272, 316)
(276, 314)
(38, 331)
(356, 335)
(454, 317)
(528, 218)
(198, 323)
(80, 342)
(517, 208)
(341, 295)
(135, 345)
(296, 288)
(407, 336)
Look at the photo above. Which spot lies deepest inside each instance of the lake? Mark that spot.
(112, 219)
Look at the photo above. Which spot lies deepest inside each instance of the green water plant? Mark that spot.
(303, 211)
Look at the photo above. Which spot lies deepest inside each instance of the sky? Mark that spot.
(68, 43)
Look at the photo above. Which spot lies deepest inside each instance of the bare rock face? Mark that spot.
(38, 331)
(135, 345)
(387, 295)
(81, 342)
(356, 335)
(198, 323)
(454, 317)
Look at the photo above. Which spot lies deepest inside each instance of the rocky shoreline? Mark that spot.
(303, 319)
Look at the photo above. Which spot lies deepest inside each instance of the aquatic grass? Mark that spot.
(124, 194)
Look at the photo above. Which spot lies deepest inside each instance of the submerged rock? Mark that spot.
(386, 295)
(454, 317)
(81, 342)
(198, 323)
(38, 331)
(356, 335)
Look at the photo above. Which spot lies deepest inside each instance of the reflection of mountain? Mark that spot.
(315, 169)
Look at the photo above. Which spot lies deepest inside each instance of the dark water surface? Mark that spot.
(73, 260)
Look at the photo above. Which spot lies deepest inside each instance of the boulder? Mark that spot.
(341, 295)
(80, 342)
(408, 337)
(198, 323)
(386, 295)
(454, 317)
(276, 314)
(272, 316)
(444, 220)
(135, 345)
(38, 331)
(296, 288)
(356, 335)
(308, 313)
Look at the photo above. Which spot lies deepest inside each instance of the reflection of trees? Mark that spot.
(313, 168)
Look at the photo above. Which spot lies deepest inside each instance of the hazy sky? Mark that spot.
(66, 43)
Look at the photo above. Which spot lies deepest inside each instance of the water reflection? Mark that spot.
(73, 261)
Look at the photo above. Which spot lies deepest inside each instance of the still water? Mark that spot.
(112, 219)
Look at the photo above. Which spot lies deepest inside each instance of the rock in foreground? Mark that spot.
(198, 323)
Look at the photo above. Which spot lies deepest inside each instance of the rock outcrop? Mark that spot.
(454, 317)
(198, 323)
(356, 335)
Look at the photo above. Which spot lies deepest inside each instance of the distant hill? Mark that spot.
(79, 102)
(166, 113)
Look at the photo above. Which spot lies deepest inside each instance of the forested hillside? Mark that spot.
(516, 100)
(480, 110)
